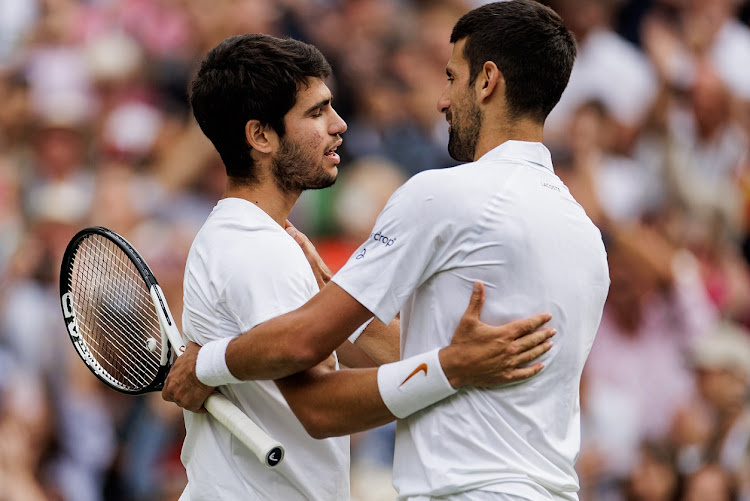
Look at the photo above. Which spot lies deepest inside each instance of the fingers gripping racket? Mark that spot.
(121, 326)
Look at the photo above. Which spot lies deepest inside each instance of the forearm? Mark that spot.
(353, 357)
(335, 403)
(298, 340)
(381, 342)
(330, 403)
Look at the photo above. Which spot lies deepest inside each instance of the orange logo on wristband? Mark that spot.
(422, 367)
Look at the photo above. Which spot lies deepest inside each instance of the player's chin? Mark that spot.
(332, 175)
(331, 169)
(324, 179)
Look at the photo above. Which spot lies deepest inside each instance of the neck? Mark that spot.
(266, 195)
(523, 129)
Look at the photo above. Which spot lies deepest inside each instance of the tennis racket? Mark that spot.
(121, 326)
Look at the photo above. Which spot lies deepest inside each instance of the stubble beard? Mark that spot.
(464, 133)
(295, 170)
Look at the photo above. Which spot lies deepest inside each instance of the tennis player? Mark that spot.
(263, 103)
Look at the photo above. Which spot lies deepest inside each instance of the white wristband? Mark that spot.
(211, 364)
(413, 384)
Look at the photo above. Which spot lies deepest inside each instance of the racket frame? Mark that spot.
(69, 313)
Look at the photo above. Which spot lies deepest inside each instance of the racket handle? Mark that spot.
(267, 450)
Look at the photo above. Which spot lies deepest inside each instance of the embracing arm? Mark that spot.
(380, 342)
(330, 402)
(479, 355)
(296, 340)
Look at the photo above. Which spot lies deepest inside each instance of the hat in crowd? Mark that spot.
(725, 346)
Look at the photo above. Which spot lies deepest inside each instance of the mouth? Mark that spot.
(332, 155)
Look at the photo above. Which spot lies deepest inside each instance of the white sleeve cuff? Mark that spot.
(411, 385)
(211, 365)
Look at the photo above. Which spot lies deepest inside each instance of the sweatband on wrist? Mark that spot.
(411, 385)
(211, 365)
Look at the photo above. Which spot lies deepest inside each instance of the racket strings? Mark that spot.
(115, 313)
(118, 312)
(116, 349)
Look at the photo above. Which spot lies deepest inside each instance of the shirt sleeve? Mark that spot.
(410, 242)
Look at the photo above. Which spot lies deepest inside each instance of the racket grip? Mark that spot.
(267, 450)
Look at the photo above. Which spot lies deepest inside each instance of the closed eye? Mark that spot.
(317, 110)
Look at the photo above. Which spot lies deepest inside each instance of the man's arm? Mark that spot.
(330, 402)
(381, 342)
(378, 344)
(296, 340)
(479, 354)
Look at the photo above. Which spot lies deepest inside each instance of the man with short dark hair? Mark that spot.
(263, 103)
(504, 220)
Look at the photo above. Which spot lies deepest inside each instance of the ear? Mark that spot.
(261, 138)
(489, 81)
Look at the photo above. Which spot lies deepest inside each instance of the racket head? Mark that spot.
(109, 314)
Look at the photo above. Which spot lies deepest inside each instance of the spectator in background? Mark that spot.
(608, 69)
(655, 476)
(613, 187)
(656, 307)
(714, 429)
(682, 36)
(704, 152)
(709, 482)
(27, 432)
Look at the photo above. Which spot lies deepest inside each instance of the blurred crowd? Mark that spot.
(651, 137)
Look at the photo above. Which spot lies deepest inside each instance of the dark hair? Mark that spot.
(530, 45)
(250, 77)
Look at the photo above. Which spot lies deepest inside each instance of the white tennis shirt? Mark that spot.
(244, 269)
(506, 220)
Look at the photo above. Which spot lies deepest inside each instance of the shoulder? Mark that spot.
(435, 183)
(225, 248)
(439, 199)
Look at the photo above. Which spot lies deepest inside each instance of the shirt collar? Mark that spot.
(533, 152)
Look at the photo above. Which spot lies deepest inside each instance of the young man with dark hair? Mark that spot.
(264, 104)
(505, 220)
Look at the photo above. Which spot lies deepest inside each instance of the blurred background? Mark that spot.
(651, 136)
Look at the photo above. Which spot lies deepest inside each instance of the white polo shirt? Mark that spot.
(244, 269)
(506, 220)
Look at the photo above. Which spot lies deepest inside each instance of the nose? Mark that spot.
(443, 103)
(338, 126)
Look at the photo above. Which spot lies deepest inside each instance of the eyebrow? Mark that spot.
(319, 104)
